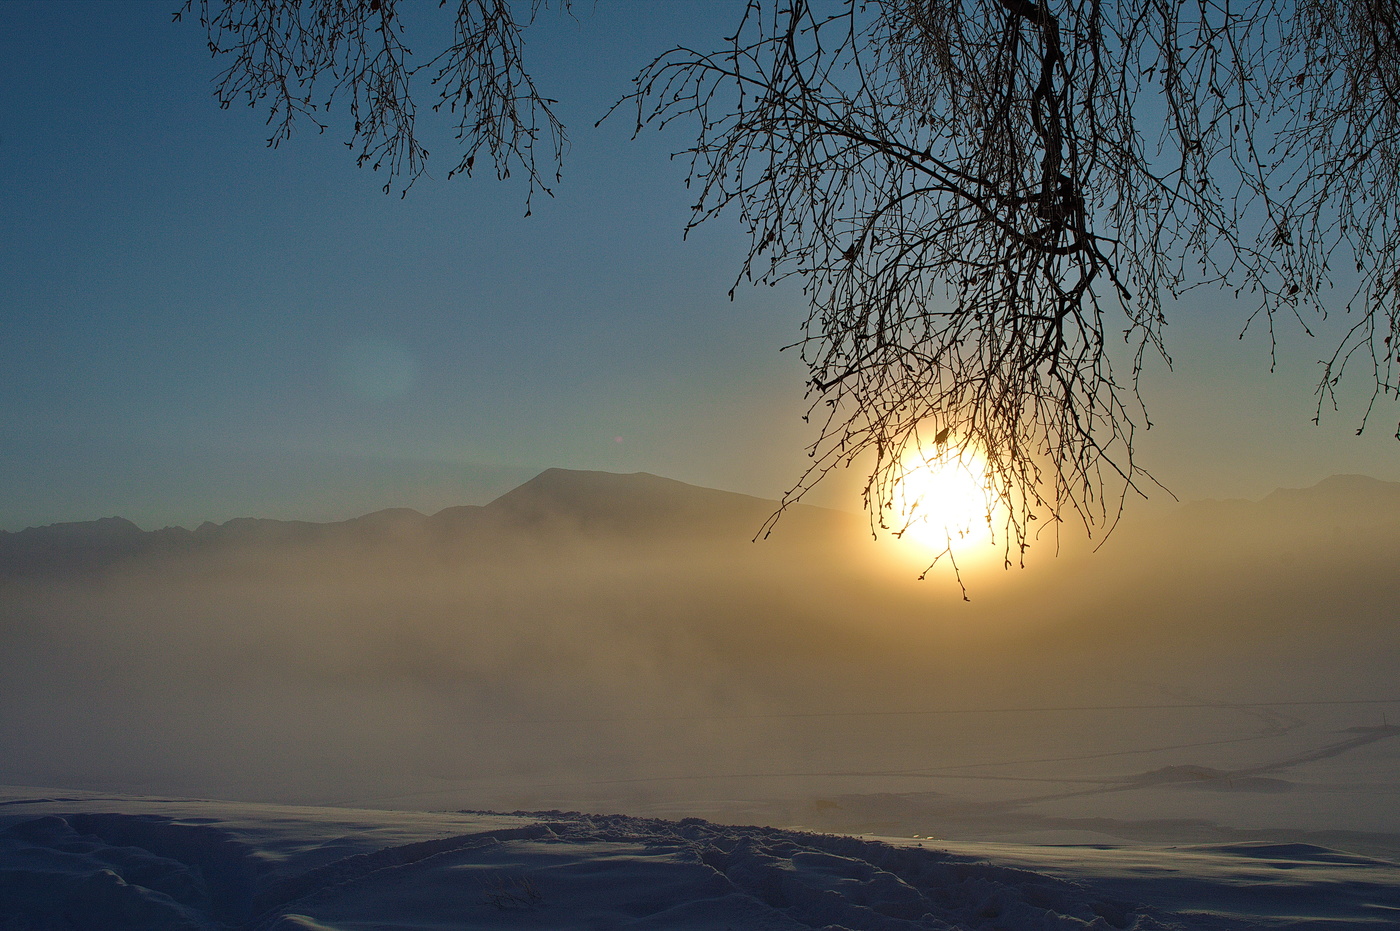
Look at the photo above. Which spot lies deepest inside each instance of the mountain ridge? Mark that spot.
(557, 502)
(638, 507)
(1335, 490)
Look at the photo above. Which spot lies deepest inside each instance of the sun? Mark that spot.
(941, 499)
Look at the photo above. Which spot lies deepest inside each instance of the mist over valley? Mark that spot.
(620, 642)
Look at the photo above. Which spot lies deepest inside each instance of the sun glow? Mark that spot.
(941, 500)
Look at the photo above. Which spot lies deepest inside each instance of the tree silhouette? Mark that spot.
(981, 200)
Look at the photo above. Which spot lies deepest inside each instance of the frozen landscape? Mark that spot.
(1081, 257)
(1202, 737)
(90, 861)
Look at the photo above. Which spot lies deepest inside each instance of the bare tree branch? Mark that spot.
(974, 196)
(295, 58)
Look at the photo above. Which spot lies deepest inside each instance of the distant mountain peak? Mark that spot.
(1338, 491)
(627, 503)
(101, 529)
(579, 483)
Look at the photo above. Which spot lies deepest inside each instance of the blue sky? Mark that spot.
(194, 326)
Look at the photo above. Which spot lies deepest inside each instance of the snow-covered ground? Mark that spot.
(108, 863)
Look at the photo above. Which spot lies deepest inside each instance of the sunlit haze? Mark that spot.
(941, 498)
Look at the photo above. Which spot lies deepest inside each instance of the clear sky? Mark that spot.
(194, 326)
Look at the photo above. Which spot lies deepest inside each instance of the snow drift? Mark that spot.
(84, 864)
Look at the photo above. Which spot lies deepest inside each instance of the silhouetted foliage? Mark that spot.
(980, 199)
(296, 58)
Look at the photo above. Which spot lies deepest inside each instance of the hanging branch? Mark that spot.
(975, 197)
(295, 58)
